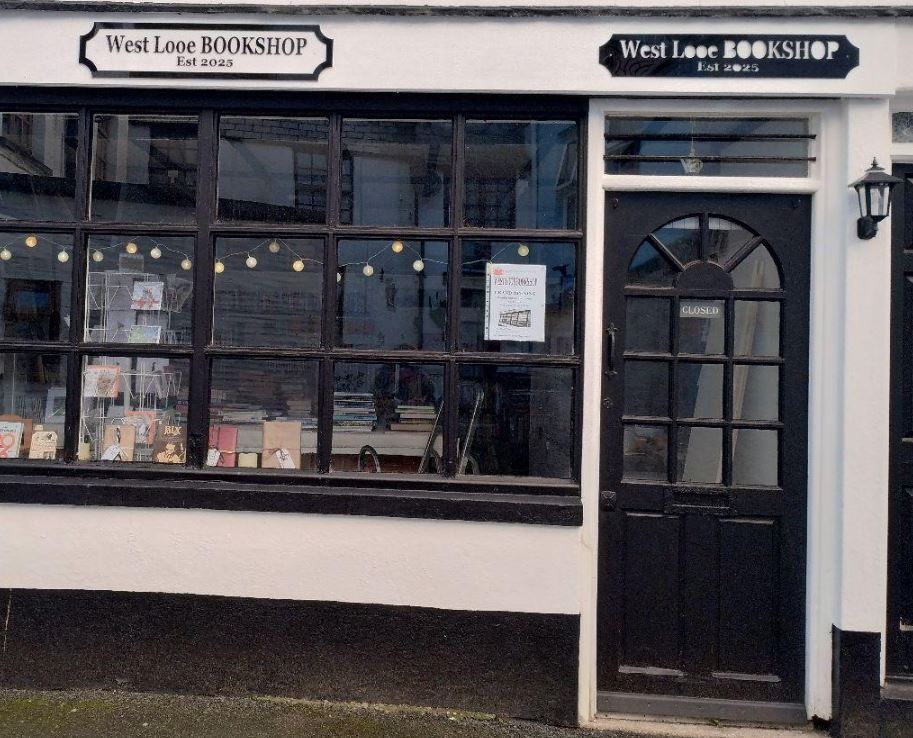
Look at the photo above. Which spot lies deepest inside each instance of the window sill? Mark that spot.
(551, 503)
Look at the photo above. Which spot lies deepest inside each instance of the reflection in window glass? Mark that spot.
(648, 266)
(701, 326)
(516, 421)
(682, 237)
(646, 448)
(37, 166)
(32, 406)
(560, 265)
(273, 170)
(647, 324)
(396, 173)
(139, 290)
(144, 168)
(391, 295)
(35, 270)
(700, 455)
(699, 390)
(387, 417)
(268, 292)
(647, 388)
(263, 414)
(754, 457)
(757, 271)
(134, 409)
(521, 174)
(757, 328)
(725, 238)
(755, 392)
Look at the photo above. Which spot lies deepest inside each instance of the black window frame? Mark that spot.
(508, 499)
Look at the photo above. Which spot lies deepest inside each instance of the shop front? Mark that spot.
(507, 360)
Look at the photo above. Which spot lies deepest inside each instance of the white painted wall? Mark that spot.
(393, 561)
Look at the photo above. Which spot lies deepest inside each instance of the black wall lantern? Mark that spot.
(874, 192)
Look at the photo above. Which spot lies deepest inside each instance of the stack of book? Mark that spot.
(353, 411)
(417, 418)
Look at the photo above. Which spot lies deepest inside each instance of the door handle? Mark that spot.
(608, 500)
(608, 360)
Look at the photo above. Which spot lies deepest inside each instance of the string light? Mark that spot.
(220, 267)
(251, 261)
(31, 241)
(367, 270)
(418, 265)
(186, 264)
(298, 265)
(397, 247)
(97, 256)
(523, 249)
(131, 247)
(6, 254)
(63, 257)
(338, 277)
(274, 247)
(155, 252)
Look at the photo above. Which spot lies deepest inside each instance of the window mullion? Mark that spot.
(198, 405)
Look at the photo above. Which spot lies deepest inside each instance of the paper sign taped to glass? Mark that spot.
(515, 302)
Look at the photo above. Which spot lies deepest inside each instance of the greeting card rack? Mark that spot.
(110, 314)
(139, 391)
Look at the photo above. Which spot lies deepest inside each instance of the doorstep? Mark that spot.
(635, 725)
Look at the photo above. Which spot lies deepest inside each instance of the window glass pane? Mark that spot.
(649, 266)
(755, 392)
(700, 455)
(263, 414)
(396, 173)
(726, 237)
(757, 328)
(682, 237)
(709, 147)
(144, 168)
(556, 260)
(701, 326)
(757, 271)
(902, 127)
(754, 457)
(32, 405)
(646, 388)
(387, 417)
(139, 289)
(35, 270)
(516, 421)
(521, 174)
(273, 170)
(646, 449)
(647, 324)
(37, 166)
(699, 390)
(268, 292)
(134, 409)
(391, 295)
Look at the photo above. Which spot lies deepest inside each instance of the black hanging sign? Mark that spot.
(228, 51)
(732, 56)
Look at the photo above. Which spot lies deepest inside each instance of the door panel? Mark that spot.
(702, 530)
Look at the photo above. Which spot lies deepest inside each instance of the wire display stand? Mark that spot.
(144, 396)
(111, 316)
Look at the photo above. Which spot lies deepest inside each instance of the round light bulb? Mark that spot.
(397, 247)
(274, 247)
(220, 267)
(418, 265)
(131, 247)
(338, 277)
(298, 265)
(186, 264)
(523, 249)
(31, 241)
(251, 261)
(63, 257)
(6, 254)
(156, 252)
(367, 270)
(97, 256)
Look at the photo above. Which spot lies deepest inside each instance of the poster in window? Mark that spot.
(515, 302)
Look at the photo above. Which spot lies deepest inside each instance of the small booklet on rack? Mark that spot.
(170, 444)
(44, 445)
(118, 443)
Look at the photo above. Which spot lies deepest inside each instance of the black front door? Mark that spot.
(900, 549)
(703, 476)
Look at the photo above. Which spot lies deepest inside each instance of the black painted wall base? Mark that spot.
(517, 664)
(856, 688)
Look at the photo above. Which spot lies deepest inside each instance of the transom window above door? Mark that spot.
(703, 356)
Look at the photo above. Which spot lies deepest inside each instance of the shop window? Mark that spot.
(292, 296)
(37, 166)
(708, 147)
